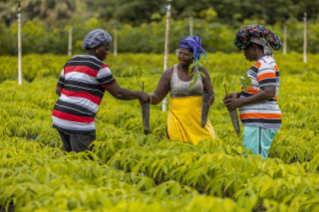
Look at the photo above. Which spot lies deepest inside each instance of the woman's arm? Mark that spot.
(264, 94)
(207, 85)
(162, 88)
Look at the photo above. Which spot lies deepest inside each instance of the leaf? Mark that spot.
(300, 155)
(201, 73)
(227, 77)
(191, 67)
(219, 79)
(130, 70)
(218, 68)
(193, 83)
(247, 79)
(232, 85)
(243, 83)
(240, 150)
(228, 149)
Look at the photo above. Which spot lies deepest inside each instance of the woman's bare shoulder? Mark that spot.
(168, 73)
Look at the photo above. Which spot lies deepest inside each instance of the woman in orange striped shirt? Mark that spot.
(258, 108)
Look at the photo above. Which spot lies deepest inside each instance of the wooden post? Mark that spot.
(70, 43)
(285, 40)
(190, 26)
(168, 16)
(19, 46)
(305, 39)
(115, 41)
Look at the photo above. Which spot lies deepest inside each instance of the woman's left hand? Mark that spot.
(211, 99)
(232, 104)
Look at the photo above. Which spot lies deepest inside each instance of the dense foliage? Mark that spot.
(34, 65)
(140, 11)
(134, 172)
(146, 38)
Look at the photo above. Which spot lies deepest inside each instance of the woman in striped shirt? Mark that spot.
(258, 108)
(81, 87)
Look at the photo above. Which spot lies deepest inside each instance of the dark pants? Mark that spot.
(77, 142)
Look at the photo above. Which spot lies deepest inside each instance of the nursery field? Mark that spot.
(131, 171)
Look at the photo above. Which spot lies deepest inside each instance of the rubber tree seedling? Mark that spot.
(138, 72)
(225, 78)
(206, 95)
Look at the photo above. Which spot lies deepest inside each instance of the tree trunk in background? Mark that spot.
(19, 47)
(305, 39)
(115, 41)
(264, 10)
(168, 16)
(285, 41)
(191, 26)
(70, 43)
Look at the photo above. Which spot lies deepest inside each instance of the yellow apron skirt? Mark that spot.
(184, 120)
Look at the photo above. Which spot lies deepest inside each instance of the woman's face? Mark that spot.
(103, 51)
(185, 57)
(251, 52)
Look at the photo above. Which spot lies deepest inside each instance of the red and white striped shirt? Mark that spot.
(83, 81)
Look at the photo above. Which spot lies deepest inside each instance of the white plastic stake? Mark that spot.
(19, 46)
(115, 41)
(285, 41)
(168, 16)
(70, 42)
(305, 39)
(190, 26)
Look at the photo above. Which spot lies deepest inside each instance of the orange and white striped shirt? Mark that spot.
(263, 73)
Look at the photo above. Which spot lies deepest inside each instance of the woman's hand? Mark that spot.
(232, 95)
(232, 104)
(211, 99)
(143, 97)
(232, 101)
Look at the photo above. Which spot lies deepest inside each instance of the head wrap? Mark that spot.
(193, 44)
(257, 34)
(95, 38)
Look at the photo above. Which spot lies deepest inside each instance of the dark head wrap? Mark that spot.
(193, 44)
(95, 38)
(257, 34)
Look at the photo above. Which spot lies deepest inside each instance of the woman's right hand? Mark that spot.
(143, 97)
(232, 95)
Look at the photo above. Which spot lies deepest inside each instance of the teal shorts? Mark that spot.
(258, 139)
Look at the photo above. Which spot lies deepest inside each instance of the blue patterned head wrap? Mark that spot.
(193, 44)
(95, 38)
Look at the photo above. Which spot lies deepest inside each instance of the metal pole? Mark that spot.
(285, 40)
(115, 41)
(305, 39)
(70, 43)
(191, 26)
(168, 16)
(19, 46)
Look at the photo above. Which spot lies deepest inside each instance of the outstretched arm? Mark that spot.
(125, 94)
(162, 88)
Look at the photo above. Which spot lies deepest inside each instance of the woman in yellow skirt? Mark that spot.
(184, 116)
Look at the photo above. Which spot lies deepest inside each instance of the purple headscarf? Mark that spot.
(193, 44)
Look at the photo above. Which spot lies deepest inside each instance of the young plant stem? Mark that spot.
(212, 85)
(225, 90)
(142, 86)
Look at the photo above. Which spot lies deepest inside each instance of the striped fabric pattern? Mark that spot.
(263, 73)
(83, 81)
